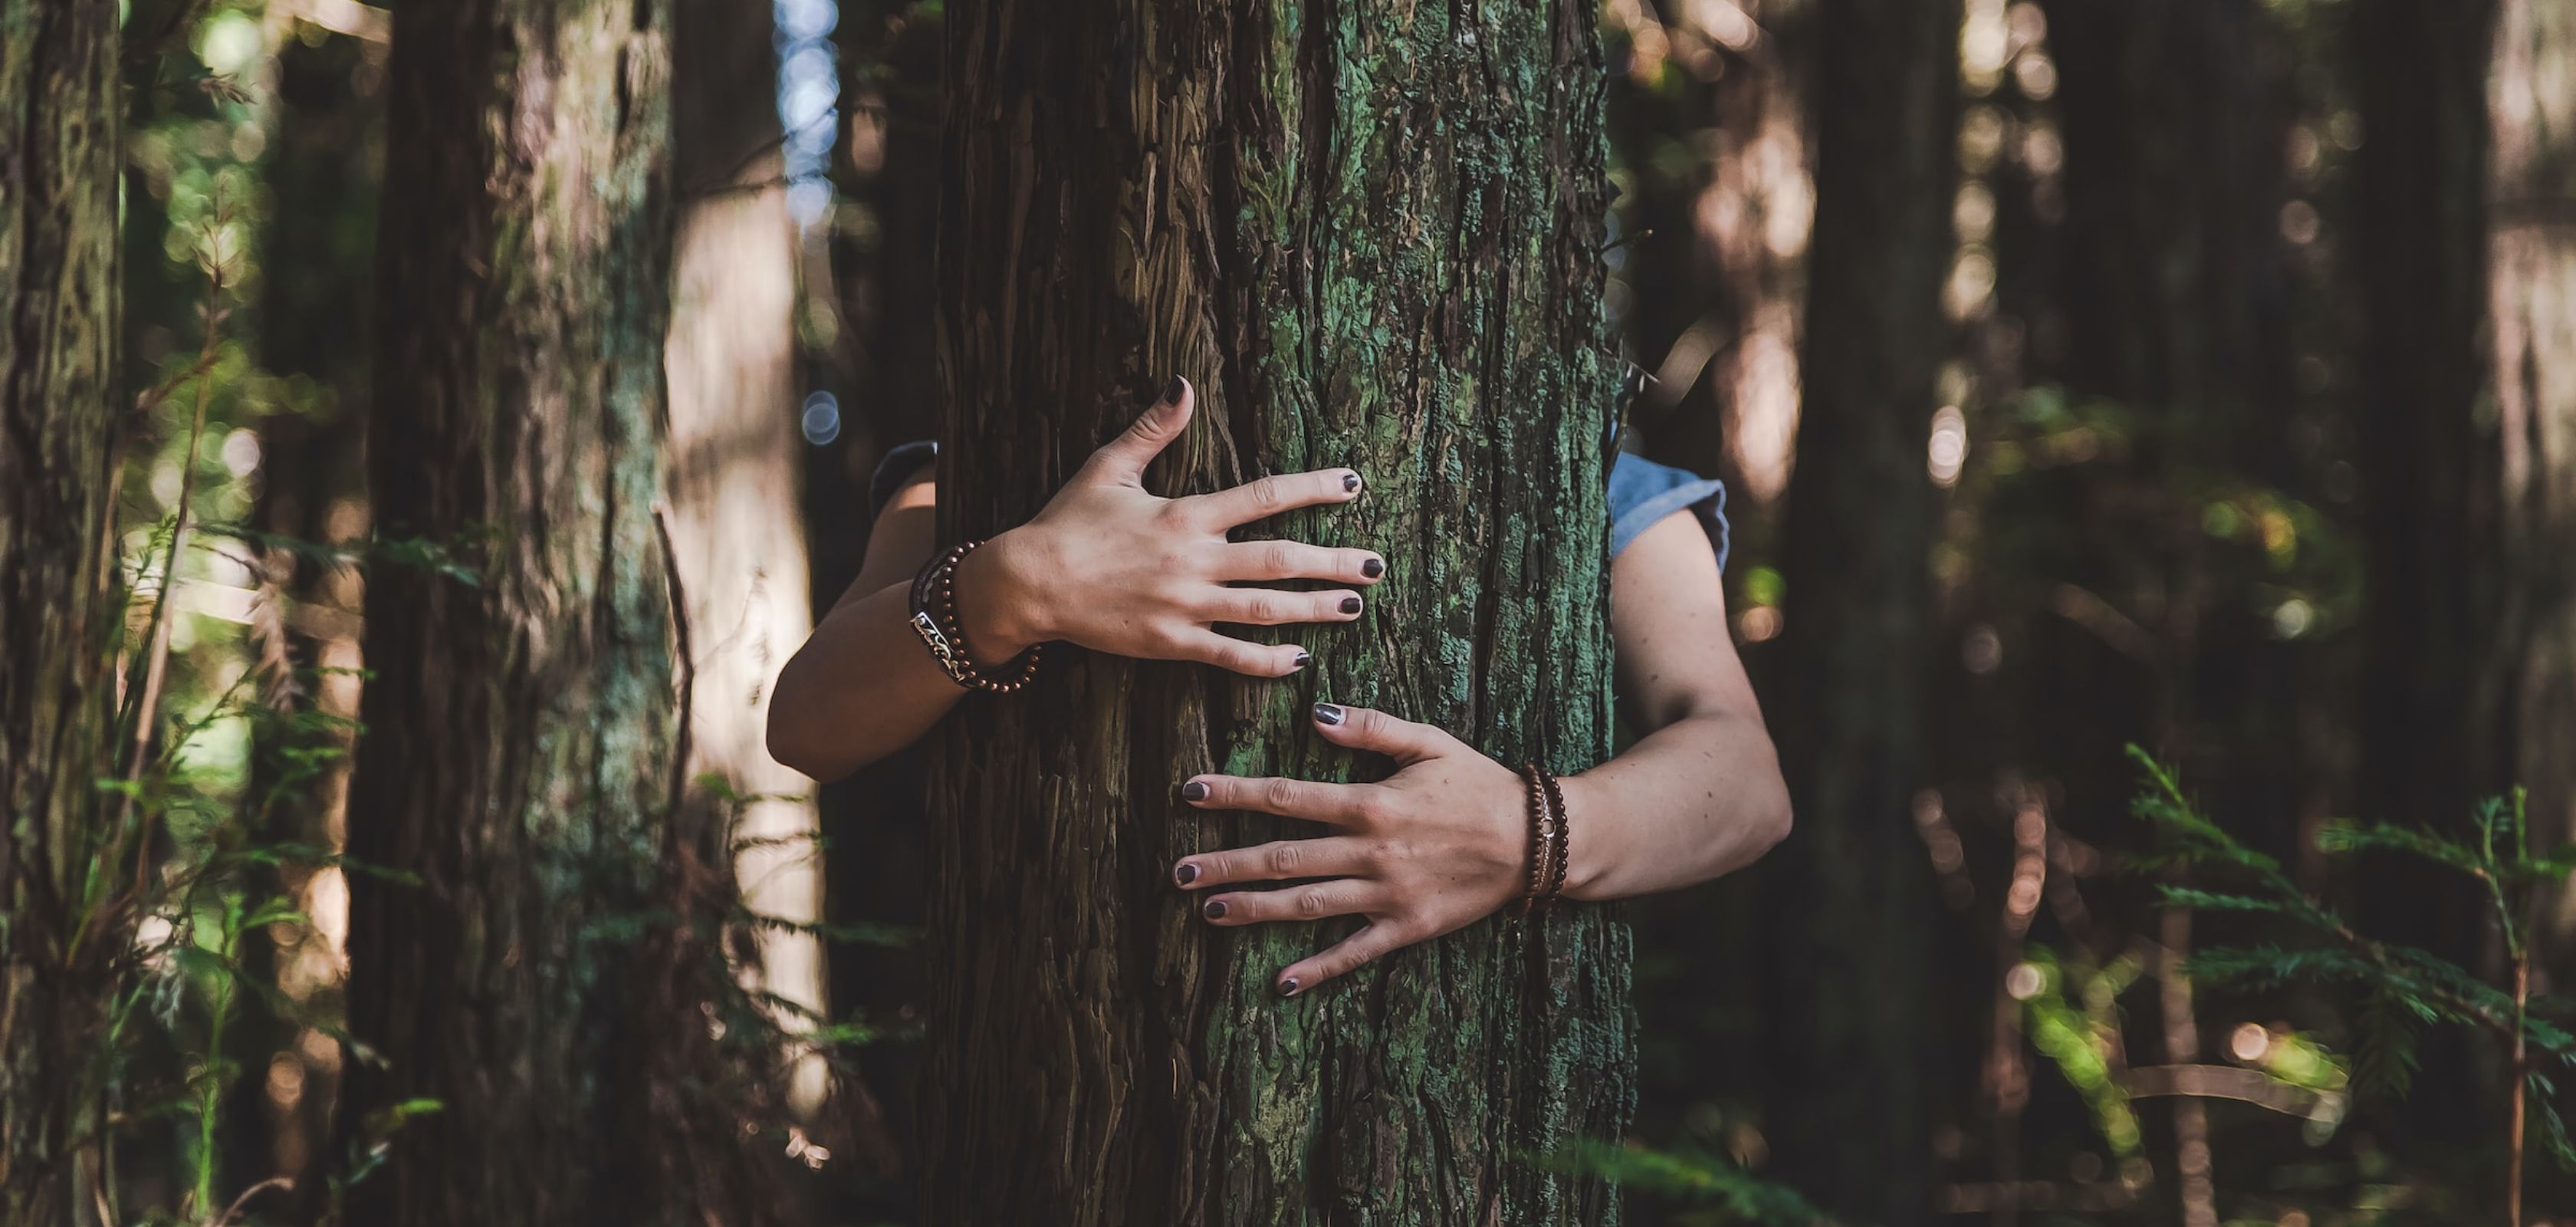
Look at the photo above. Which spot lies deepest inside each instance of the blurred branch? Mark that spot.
(2222, 1082)
(2081, 607)
(364, 22)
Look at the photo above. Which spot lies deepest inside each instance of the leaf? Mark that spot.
(2385, 1061)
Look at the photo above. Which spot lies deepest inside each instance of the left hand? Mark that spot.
(1431, 849)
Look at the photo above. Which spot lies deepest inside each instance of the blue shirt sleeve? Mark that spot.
(1643, 492)
(896, 468)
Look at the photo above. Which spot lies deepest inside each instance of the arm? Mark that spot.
(1107, 565)
(1444, 841)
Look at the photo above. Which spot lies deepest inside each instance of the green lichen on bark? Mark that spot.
(1370, 233)
(60, 148)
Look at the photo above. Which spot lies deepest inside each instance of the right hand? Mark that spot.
(1116, 569)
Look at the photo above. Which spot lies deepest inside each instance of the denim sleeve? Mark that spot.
(896, 468)
(1643, 492)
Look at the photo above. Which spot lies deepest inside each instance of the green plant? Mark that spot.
(2403, 988)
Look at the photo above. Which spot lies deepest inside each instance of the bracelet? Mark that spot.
(1546, 838)
(1564, 857)
(934, 618)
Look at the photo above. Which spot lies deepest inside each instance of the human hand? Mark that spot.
(1116, 569)
(1432, 849)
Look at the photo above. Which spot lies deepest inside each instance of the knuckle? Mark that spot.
(1285, 859)
(1375, 808)
(1281, 793)
(1314, 904)
(1263, 609)
(1278, 560)
(1269, 495)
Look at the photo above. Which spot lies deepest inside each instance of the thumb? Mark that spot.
(1124, 458)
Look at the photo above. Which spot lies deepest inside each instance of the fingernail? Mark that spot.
(1288, 987)
(1172, 391)
(1215, 909)
(1186, 873)
(1373, 568)
(1304, 659)
(1350, 604)
(1350, 483)
(1327, 713)
(1195, 790)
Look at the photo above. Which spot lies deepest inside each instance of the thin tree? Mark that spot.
(1851, 1038)
(1370, 233)
(60, 150)
(545, 982)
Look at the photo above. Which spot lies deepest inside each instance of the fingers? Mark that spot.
(1364, 728)
(1270, 607)
(1329, 857)
(1339, 897)
(1250, 659)
(1267, 560)
(1338, 804)
(1124, 458)
(1351, 953)
(1255, 500)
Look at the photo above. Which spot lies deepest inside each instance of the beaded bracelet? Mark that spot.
(1563, 857)
(934, 618)
(1546, 838)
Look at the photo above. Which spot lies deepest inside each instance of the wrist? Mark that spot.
(997, 606)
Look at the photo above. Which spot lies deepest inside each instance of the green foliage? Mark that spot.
(1719, 1193)
(2402, 989)
(2072, 1018)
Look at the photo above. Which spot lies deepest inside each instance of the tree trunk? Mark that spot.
(1370, 232)
(322, 170)
(1853, 1100)
(2531, 295)
(60, 153)
(737, 531)
(549, 979)
(2428, 620)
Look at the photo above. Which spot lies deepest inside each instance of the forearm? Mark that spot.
(1696, 799)
(865, 685)
(860, 689)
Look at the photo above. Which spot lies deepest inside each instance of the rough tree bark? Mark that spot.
(1369, 231)
(60, 150)
(1852, 1103)
(545, 981)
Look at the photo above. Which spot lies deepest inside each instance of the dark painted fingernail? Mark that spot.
(1186, 874)
(1304, 659)
(1195, 790)
(1215, 909)
(1350, 483)
(1172, 391)
(1373, 568)
(1288, 987)
(1327, 713)
(1350, 604)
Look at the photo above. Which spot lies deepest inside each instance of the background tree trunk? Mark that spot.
(524, 755)
(60, 153)
(2531, 295)
(1370, 232)
(2428, 621)
(737, 531)
(1854, 1099)
(324, 159)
